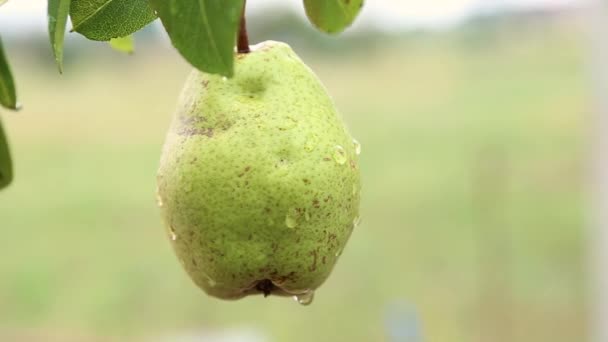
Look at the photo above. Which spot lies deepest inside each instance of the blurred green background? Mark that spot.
(473, 157)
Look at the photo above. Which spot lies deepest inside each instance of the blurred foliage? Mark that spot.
(473, 209)
(332, 16)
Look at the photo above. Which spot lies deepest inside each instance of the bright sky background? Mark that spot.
(389, 14)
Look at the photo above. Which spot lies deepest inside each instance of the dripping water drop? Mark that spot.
(305, 298)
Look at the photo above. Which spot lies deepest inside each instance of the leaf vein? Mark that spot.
(212, 42)
(88, 17)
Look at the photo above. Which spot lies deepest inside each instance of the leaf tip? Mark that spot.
(59, 63)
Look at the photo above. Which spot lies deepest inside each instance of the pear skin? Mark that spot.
(259, 182)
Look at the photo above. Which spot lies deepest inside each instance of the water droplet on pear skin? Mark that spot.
(307, 216)
(339, 155)
(311, 143)
(356, 221)
(288, 123)
(357, 147)
(159, 200)
(172, 233)
(291, 220)
(305, 298)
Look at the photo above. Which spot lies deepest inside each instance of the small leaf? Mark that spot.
(203, 31)
(8, 96)
(2, 2)
(123, 44)
(6, 165)
(107, 19)
(332, 16)
(58, 17)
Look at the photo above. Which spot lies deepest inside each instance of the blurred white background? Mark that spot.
(387, 14)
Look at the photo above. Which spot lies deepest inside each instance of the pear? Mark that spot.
(259, 183)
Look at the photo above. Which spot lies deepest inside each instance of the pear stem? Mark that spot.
(243, 40)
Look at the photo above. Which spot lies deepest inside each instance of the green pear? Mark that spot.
(259, 180)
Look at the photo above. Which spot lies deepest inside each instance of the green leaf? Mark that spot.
(203, 31)
(58, 17)
(6, 166)
(107, 19)
(123, 44)
(8, 96)
(332, 16)
(2, 2)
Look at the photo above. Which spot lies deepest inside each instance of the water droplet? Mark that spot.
(224, 78)
(339, 155)
(288, 123)
(357, 147)
(172, 233)
(311, 143)
(307, 216)
(305, 298)
(211, 282)
(159, 200)
(355, 189)
(356, 221)
(290, 219)
(338, 252)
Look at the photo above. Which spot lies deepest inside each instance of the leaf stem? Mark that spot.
(243, 40)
